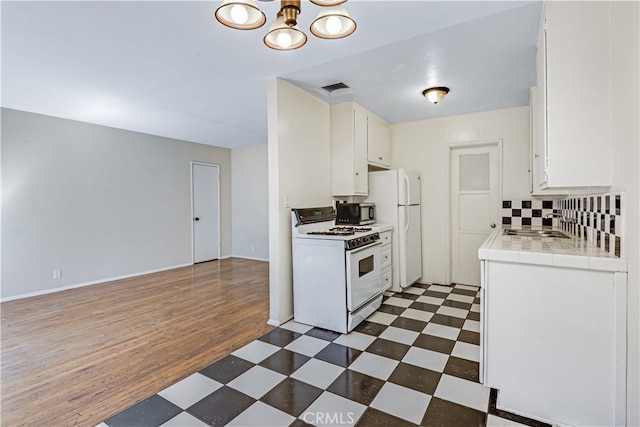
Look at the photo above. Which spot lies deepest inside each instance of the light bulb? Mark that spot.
(284, 39)
(239, 14)
(433, 97)
(334, 26)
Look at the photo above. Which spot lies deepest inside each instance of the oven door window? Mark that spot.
(366, 265)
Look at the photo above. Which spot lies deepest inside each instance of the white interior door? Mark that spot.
(206, 211)
(475, 200)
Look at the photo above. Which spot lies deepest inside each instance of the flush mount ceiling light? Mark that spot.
(333, 21)
(435, 94)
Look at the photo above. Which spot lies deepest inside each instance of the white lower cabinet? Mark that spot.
(554, 342)
(385, 259)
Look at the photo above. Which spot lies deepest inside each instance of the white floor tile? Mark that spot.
(388, 293)
(402, 402)
(426, 359)
(403, 336)
(260, 414)
(471, 325)
(256, 351)
(307, 345)
(382, 318)
(467, 393)
(461, 298)
(331, 409)
(296, 326)
(438, 288)
(356, 340)
(105, 425)
(184, 419)
(430, 300)
(190, 390)
(466, 351)
(398, 302)
(374, 365)
(493, 421)
(441, 331)
(411, 313)
(452, 311)
(318, 373)
(414, 290)
(475, 308)
(467, 287)
(257, 381)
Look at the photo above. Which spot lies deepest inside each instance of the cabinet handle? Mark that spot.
(379, 158)
(535, 156)
(356, 173)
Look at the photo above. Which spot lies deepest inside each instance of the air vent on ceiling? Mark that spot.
(335, 86)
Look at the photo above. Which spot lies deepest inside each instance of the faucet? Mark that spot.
(563, 218)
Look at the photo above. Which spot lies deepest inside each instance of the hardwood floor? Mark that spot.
(78, 357)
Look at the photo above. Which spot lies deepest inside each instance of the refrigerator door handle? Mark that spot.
(406, 224)
(407, 189)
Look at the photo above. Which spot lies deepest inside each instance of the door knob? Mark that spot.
(196, 218)
(493, 226)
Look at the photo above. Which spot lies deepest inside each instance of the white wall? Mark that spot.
(250, 202)
(423, 146)
(625, 18)
(300, 172)
(95, 202)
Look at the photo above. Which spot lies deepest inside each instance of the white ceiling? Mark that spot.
(169, 68)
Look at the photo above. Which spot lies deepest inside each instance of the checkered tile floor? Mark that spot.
(414, 361)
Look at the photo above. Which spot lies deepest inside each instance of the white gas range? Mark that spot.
(336, 270)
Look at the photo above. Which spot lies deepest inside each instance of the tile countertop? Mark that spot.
(558, 252)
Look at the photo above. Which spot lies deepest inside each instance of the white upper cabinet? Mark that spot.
(349, 170)
(378, 142)
(358, 139)
(571, 129)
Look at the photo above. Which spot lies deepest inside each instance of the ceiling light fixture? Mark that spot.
(435, 94)
(333, 21)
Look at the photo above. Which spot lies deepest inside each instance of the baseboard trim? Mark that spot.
(250, 258)
(93, 282)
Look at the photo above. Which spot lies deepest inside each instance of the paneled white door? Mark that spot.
(206, 211)
(475, 201)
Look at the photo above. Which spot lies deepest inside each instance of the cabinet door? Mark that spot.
(379, 142)
(361, 182)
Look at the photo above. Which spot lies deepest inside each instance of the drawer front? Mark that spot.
(385, 237)
(386, 278)
(385, 256)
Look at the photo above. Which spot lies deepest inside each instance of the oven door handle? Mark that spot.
(355, 251)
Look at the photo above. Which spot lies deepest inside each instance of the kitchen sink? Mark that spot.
(534, 233)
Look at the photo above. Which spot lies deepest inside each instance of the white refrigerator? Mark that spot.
(396, 194)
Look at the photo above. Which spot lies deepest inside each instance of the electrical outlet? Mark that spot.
(57, 274)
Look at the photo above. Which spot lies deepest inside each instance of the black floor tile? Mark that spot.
(410, 324)
(469, 337)
(323, 334)
(356, 386)
(386, 348)
(463, 368)
(391, 309)
(416, 378)
(436, 294)
(493, 397)
(424, 306)
(442, 413)
(457, 304)
(441, 345)
(299, 423)
(284, 361)
(464, 292)
(454, 322)
(291, 396)
(421, 285)
(151, 412)
(373, 417)
(473, 316)
(406, 295)
(476, 301)
(227, 369)
(221, 406)
(370, 328)
(338, 355)
(280, 337)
